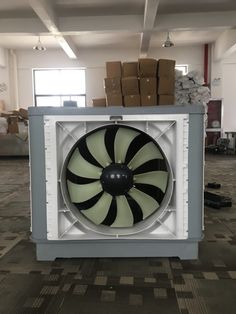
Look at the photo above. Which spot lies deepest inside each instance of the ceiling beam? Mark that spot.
(225, 45)
(150, 12)
(120, 23)
(193, 21)
(47, 15)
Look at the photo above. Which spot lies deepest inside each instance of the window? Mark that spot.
(54, 86)
(183, 68)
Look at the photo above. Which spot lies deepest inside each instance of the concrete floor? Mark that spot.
(107, 286)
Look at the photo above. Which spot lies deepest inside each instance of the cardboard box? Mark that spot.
(23, 113)
(148, 85)
(6, 114)
(166, 100)
(113, 69)
(2, 105)
(13, 125)
(166, 85)
(132, 100)
(112, 85)
(130, 86)
(147, 67)
(130, 69)
(114, 100)
(149, 100)
(166, 68)
(99, 102)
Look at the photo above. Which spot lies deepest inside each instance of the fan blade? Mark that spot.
(98, 212)
(156, 178)
(97, 148)
(111, 215)
(89, 203)
(146, 153)
(146, 202)
(151, 190)
(110, 139)
(79, 166)
(135, 208)
(137, 143)
(80, 193)
(85, 153)
(77, 179)
(124, 217)
(151, 165)
(123, 138)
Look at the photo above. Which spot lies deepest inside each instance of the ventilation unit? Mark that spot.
(116, 181)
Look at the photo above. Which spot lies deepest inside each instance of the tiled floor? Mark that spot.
(107, 286)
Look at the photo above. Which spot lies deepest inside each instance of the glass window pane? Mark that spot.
(47, 82)
(72, 82)
(57, 85)
(80, 100)
(51, 101)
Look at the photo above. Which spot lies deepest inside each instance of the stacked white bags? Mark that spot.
(189, 89)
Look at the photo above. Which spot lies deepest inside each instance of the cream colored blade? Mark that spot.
(99, 211)
(81, 193)
(122, 141)
(79, 166)
(156, 178)
(124, 216)
(97, 148)
(146, 202)
(146, 153)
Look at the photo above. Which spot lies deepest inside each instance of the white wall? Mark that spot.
(94, 62)
(224, 71)
(4, 75)
(229, 96)
(193, 56)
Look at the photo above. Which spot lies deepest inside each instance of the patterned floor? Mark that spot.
(107, 286)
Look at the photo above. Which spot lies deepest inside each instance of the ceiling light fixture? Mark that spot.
(168, 43)
(39, 46)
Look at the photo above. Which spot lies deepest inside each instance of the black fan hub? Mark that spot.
(116, 179)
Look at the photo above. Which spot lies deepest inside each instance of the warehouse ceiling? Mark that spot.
(139, 24)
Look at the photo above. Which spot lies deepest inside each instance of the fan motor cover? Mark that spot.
(115, 177)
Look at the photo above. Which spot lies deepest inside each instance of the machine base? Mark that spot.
(48, 251)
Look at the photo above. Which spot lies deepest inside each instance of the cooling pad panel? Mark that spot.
(115, 176)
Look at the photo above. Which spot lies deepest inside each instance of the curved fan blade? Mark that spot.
(85, 153)
(110, 139)
(124, 216)
(146, 202)
(98, 212)
(135, 208)
(123, 138)
(146, 153)
(137, 143)
(80, 193)
(111, 215)
(96, 146)
(79, 166)
(156, 178)
(151, 190)
(151, 165)
(89, 203)
(77, 179)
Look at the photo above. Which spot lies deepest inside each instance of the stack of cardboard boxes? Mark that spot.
(147, 82)
(166, 82)
(13, 117)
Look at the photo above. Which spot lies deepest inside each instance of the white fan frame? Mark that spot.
(171, 133)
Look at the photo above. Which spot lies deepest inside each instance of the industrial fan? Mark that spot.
(116, 176)
(116, 181)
